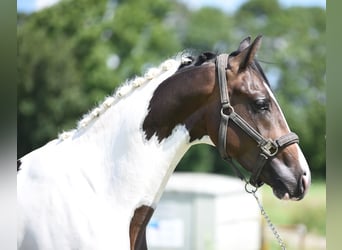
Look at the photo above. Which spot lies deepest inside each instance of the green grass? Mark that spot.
(311, 211)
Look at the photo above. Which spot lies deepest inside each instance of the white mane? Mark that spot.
(125, 89)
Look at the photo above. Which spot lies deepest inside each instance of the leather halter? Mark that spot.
(268, 147)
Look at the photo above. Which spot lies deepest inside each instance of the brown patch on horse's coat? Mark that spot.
(137, 228)
(18, 165)
(180, 99)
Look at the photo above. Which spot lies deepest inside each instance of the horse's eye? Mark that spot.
(261, 105)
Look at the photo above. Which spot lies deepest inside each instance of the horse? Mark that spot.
(97, 186)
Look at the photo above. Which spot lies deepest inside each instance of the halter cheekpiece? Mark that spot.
(268, 147)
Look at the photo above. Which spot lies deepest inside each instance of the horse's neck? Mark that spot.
(137, 168)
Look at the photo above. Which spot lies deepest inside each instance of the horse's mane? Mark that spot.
(194, 61)
(183, 61)
(128, 87)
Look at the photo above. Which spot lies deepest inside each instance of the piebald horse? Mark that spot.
(96, 187)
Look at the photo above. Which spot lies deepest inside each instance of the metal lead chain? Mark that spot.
(267, 218)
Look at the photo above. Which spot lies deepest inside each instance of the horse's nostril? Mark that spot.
(304, 182)
(303, 185)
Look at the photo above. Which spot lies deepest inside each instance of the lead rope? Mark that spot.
(250, 189)
(253, 191)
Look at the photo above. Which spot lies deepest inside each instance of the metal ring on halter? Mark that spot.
(227, 107)
(250, 188)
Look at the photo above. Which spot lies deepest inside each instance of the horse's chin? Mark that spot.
(281, 195)
(284, 195)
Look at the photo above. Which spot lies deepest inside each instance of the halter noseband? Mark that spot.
(269, 148)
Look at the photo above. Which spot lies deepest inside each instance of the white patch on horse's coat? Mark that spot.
(204, 140)
(277, 105)
(178, 142)
(80, 191)
(302, 161)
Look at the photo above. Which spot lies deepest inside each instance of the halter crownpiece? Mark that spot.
(268, 148)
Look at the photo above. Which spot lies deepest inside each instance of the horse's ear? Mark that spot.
(246, 55)
(244, 43)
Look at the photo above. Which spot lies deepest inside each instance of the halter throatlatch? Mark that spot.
(268, 147)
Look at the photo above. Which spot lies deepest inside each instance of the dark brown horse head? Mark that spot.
(250, 97)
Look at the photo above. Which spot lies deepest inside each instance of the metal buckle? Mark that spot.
(270, 148)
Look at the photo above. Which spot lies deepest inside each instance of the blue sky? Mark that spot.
(228, 6)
